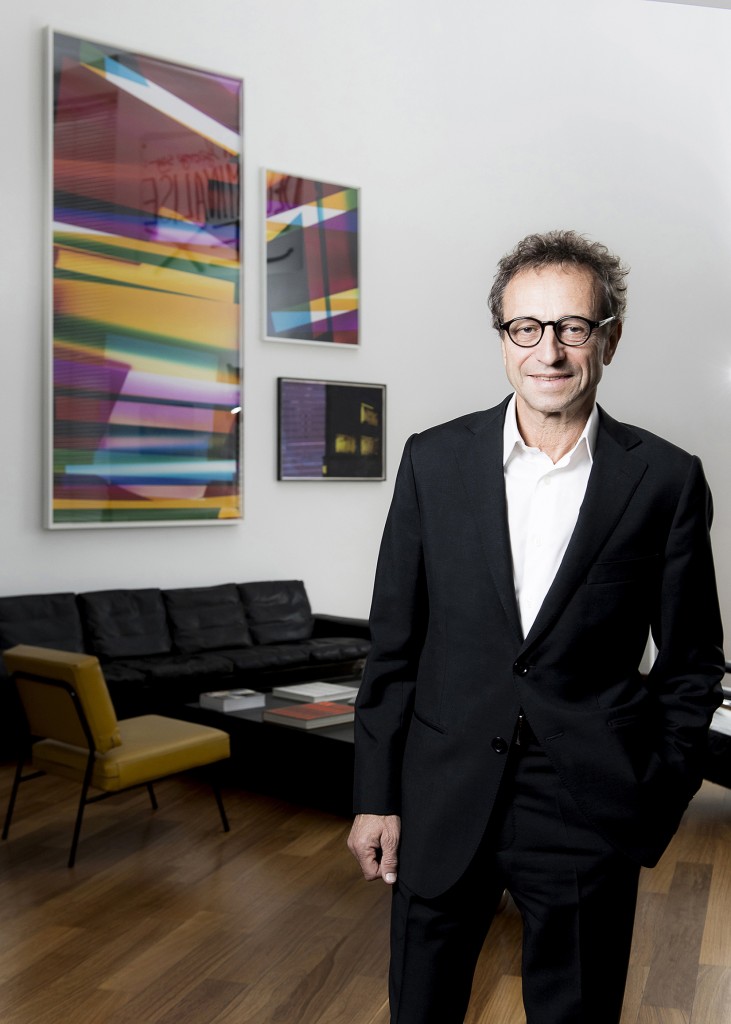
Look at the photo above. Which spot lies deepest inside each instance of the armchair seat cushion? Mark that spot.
(152, 747)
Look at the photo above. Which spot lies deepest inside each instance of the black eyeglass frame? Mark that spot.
(593, 325)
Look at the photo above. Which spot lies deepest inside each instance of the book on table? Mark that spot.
(316, 715)
(311, 693)
(721, 721)
(231, 700)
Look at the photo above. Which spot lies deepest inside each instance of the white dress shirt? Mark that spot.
(543, 500)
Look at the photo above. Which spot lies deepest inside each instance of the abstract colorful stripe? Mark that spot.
(311, 260)
(147, 282)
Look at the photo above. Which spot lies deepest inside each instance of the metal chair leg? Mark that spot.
(153, 798)
(19, 777)
(13, 795)
(221, 809)
(82, 804)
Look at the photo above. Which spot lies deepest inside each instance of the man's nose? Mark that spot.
(550, 350)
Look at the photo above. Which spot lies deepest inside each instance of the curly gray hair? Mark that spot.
(566, 249)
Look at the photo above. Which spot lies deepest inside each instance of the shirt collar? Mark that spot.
(512, 441)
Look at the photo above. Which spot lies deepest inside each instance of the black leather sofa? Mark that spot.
(160, 648)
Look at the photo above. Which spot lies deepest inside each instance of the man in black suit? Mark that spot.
(505, 737)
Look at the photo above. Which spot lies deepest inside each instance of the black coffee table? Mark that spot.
(313, 767)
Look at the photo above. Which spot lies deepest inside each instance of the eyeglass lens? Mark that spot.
(570, 330)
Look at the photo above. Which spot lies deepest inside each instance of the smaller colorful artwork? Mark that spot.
(311, 274)
(331, 430)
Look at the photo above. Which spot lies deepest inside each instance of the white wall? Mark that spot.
(466, 125)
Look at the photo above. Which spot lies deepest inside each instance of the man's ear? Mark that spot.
(612, 341)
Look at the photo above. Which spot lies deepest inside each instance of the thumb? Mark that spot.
(389, 864)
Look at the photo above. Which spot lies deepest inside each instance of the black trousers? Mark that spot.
(575, 893)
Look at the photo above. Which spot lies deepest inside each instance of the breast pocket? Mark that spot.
(625, 570)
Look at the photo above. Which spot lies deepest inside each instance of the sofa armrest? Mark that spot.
(340, 625)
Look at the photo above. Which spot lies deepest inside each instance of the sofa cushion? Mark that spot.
(172, 666)
(164, 684)
(42, 620)
(277, 611)
(265, 657)
(338, 648)
(206, 618)
(125, 623)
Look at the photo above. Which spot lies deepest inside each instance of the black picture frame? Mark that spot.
(330, 430)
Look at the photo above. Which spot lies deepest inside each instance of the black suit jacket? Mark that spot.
(449, 668)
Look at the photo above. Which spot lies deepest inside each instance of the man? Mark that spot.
(505, 738)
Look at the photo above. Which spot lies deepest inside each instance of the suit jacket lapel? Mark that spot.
(615, 474)
(480, 459)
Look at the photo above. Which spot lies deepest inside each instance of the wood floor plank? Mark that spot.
(505, 1004)
(674, 967)
(208, 1001)
(648, 927)
(144, 969)
(348, 1005)
(716, 946)
(712, 1004)
(167, 920)
(662, 1015)
(634, 991)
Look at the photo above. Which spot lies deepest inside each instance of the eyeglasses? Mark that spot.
(527, 331)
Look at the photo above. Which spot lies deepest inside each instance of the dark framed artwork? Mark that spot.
(330, 430)
(311, 273)
(145, 311)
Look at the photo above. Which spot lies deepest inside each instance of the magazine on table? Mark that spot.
(311, 693)
(232, 700)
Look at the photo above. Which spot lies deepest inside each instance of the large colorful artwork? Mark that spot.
(311, 273)
(331, 430)
(146, 392)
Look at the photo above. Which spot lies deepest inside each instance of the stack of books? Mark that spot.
(311, 693)
(310, 716)
(721, 721)
(231, 700)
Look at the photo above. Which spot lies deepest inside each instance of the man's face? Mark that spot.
(552, 379)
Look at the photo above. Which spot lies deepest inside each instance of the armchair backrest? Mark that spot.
(50, 709)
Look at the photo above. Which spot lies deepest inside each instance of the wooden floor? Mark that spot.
(167, 920)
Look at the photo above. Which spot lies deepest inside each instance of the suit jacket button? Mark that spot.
(499, 745)
(521, 668)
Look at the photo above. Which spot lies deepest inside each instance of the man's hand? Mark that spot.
(373, 841)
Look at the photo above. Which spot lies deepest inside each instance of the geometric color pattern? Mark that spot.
(312, 289)
(146, 309)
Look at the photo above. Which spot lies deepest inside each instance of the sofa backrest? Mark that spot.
(125, 623)
(206, 618)
(41, 620)
(277, 610)
(130, 623)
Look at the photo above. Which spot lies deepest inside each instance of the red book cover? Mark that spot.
(310, 716)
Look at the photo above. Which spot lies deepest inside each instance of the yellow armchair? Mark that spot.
(73, 731)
